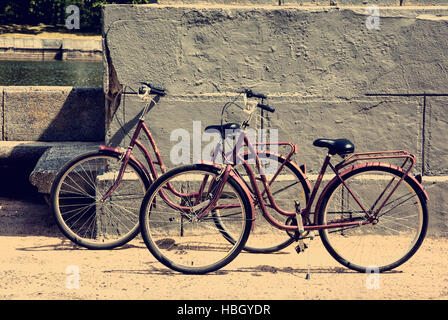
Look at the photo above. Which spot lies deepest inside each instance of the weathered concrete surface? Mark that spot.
(316, 64)
(22, 151)
(310, 2)
(370, 124)
(312, 51)
(53, 159)
(52, 114)
(436, 127)
(13, 48)
(437, 188)
(62, 121)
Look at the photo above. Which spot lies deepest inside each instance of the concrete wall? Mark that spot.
(13, 48)
(41, 129)
(316, 63)
(311, 2)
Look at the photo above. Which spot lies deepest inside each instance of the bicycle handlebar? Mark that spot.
(266, 107)
(153, 90)
(250, 94)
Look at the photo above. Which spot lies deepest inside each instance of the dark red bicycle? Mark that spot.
(96, 196)
(197, 218)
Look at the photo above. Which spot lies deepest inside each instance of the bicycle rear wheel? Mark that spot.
(171, 230)
(76, 198)
(396, 235)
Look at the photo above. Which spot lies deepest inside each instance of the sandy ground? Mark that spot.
(36, 262)
(47, 268)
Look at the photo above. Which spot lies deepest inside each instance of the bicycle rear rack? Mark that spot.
(377, 155)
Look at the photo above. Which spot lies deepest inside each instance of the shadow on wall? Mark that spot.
(53, 114)
(81, 118)
(44, 114)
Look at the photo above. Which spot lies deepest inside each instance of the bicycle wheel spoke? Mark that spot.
(90, 183)
(86, 208)
(80, 211)
(177, 237)
(287, 188)
(75, 191)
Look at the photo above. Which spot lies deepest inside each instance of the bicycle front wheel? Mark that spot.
(81, 214)
(172, 231)
(395, 235)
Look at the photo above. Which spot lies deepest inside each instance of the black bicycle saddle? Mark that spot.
(225, 128)
(336, 146)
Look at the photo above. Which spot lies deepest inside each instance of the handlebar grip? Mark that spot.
(266, 107)
(157, 91)
(251, 94)
(154, 90)
(259, 95)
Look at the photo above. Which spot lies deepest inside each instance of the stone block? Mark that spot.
(17, 152)
(53, 114)
(437, 189)
(120, 225)
(372, 125)
(436, 133)
(51, 43)
(53, 159)
(221, 2)
(310, 51)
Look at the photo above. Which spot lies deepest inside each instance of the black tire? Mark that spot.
(266, 238)
(75, 200)
(175, 238)
(401, 225)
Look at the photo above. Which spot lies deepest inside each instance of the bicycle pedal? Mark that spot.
(301, 246)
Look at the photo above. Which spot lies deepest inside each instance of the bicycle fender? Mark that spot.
(361, 165)
(243, 186)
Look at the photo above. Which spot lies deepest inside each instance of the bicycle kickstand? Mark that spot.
(301, 244)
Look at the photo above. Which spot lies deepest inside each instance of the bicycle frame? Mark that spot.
(230, 170)
(370, 216)
(126, 155)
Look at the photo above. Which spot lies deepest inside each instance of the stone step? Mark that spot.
(49, 157)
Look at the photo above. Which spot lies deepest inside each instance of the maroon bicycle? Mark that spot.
(207, 221)
(96, 196)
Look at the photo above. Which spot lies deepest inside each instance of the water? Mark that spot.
(51, 73)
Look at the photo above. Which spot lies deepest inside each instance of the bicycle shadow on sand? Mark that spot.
(66, 244)
(256, 271)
